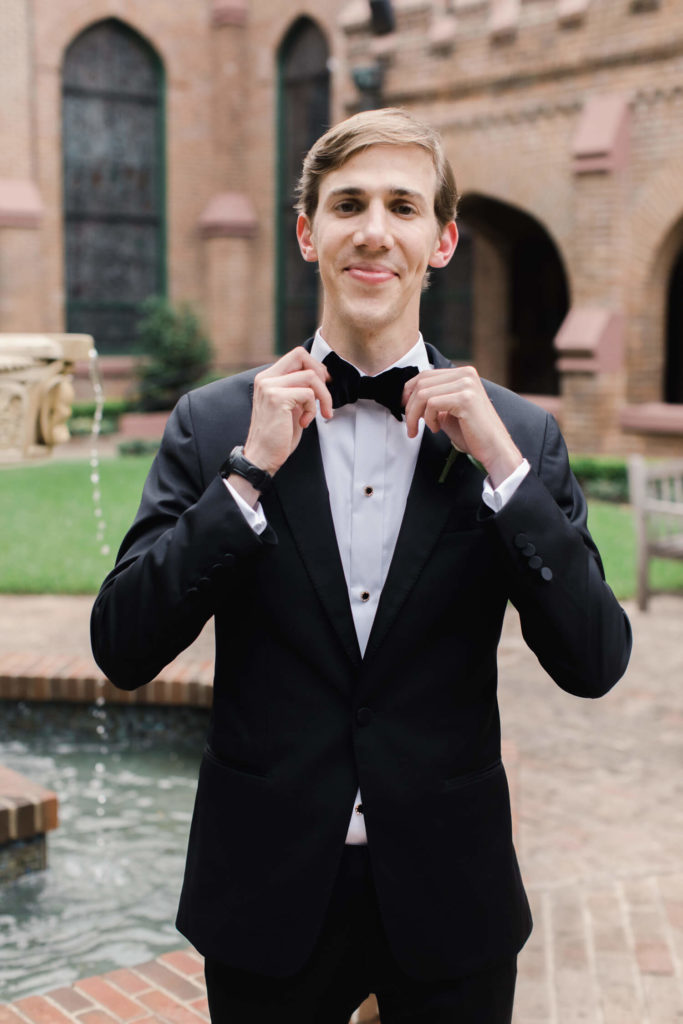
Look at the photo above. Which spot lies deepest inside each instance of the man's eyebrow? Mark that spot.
(394, 190)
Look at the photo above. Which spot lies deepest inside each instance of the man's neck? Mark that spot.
(370, 353)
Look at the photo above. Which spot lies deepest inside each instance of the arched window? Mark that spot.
(673, 379)
(112, 117)
(303, 115)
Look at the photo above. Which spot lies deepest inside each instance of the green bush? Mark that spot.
(602, 477)
(177, 354)
(137, 446)
(112, 407)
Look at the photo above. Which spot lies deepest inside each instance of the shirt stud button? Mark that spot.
(359, 809)
(365, 596)
(368, 491)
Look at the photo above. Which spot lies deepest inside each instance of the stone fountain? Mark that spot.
(36, 392)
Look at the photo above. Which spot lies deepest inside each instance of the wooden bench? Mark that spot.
(656, 490)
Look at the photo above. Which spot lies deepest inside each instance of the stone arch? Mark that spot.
(114, 181)
(303, 114)
(672, 377)
(657, 243)
(79, 22)
(520, 293)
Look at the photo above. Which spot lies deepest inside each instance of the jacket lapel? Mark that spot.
(427, 508)
(302, 491)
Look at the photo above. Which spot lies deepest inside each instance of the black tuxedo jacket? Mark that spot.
(299, 719)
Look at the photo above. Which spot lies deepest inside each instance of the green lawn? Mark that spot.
(612, 529)
(48, 530)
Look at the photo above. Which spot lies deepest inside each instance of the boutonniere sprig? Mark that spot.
(452, 456)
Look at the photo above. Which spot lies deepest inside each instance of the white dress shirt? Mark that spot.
(369, 461)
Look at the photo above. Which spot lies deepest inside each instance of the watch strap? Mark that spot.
(236, 462)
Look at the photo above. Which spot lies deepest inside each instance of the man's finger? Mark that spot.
(297, 379)
(297, 359)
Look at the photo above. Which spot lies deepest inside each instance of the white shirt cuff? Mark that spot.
(498, 498)
(254, 516)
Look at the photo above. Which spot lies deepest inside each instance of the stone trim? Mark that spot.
(590, 340)
(504, 19)
(20, 204)
(228, 215)
(229, 12)
(571, 12)
(652, 418)
(601, 142)
(443, 32)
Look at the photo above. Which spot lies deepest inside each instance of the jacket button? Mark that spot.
(521, 540)
(535, 562)
(364, 716)
(529, 550)
(547, 573)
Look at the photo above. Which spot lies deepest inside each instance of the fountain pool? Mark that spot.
(125, 778)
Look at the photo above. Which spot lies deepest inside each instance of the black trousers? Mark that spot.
(352, 959)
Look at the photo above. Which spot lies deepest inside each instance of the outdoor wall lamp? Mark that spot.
(369, 78)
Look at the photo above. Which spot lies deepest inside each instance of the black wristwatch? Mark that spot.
(237, 463)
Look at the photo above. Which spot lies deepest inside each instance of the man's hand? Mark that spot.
(284, 405)
(454, 400)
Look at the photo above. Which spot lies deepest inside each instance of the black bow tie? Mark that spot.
(348, 385)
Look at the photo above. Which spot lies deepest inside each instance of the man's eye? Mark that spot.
(404, 209)
(346, 206)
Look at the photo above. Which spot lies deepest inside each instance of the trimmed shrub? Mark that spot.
(602, 477)
(176, 354)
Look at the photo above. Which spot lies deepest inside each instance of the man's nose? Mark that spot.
(374, 230)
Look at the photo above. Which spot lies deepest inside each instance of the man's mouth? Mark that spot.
(370, 273)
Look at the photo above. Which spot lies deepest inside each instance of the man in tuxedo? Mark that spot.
(356, 517)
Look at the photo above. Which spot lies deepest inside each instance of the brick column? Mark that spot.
(590, 341)
(227, 225)
(21, 209)
(228, 222)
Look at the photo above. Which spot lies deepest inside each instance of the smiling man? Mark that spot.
(352, 827)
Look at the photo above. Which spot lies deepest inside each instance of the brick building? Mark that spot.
(151, 146)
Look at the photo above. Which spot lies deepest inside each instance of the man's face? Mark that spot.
(373, 235)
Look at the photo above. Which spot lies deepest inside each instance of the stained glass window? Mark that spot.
(113, 182)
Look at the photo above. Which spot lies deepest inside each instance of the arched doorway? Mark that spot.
(673, 371)
(303, 115)
(112, 123)
(520, 294)
(446, 306)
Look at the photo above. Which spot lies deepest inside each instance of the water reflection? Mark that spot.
(125, 778)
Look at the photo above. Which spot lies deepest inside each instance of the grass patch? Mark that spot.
(613, 531)
(48, 527)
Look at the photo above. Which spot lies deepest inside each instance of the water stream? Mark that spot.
(125, 778)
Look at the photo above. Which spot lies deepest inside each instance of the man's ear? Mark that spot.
(445, 247)
(304, 234)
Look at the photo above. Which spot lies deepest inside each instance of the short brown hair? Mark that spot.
(389, 125)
